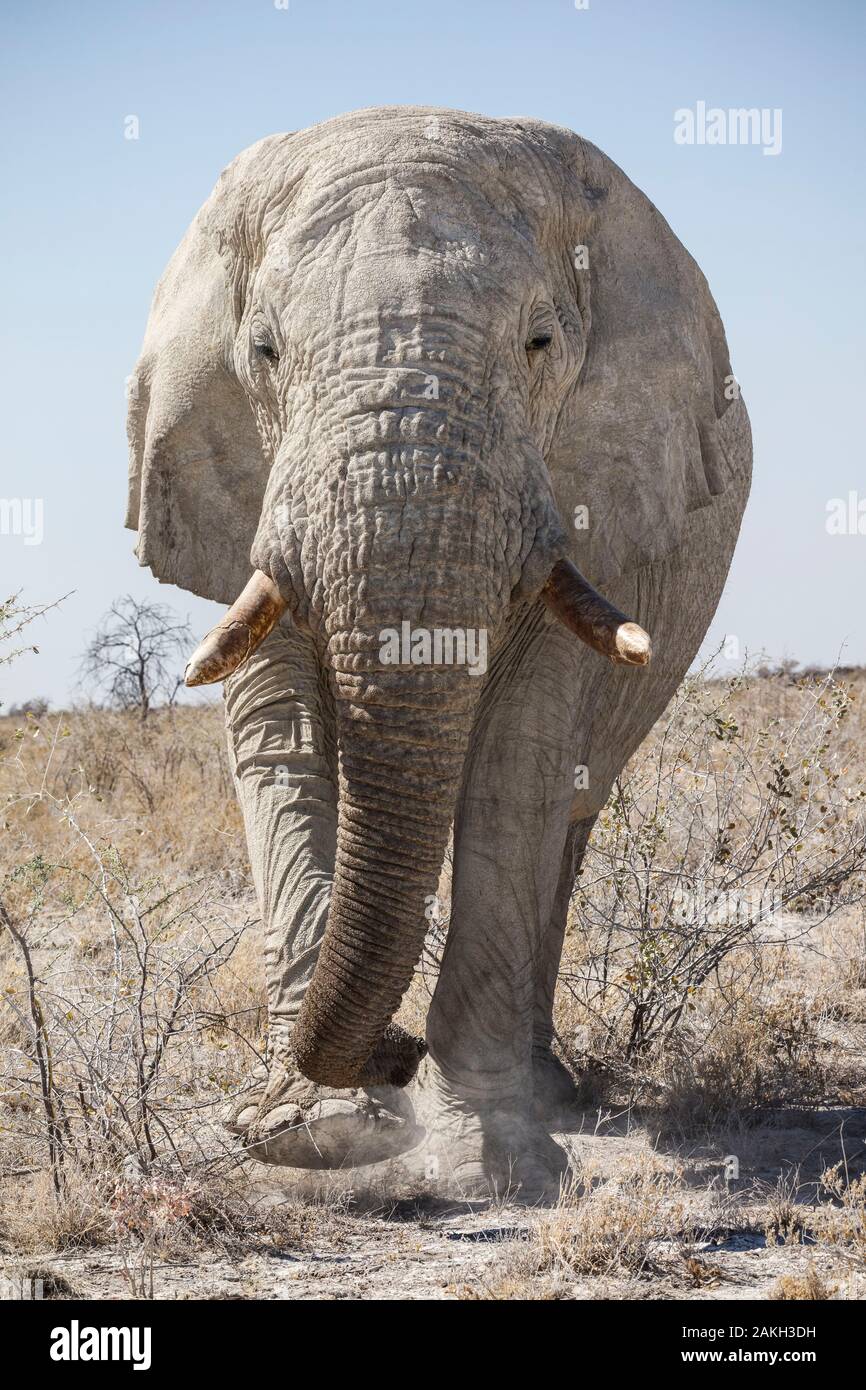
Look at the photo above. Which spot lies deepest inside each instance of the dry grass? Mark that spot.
(809, 1286)
(632, 1226)
(841, 1220)
(605, 1226)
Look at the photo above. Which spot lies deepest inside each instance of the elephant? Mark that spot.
(419, 384)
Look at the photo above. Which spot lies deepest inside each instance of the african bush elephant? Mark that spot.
(417, 372)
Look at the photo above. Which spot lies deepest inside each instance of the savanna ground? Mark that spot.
(712, 1006)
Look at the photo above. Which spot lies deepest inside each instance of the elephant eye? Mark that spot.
(263, 347)
(539, 341)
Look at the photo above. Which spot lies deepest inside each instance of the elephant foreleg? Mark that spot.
(554, 1090)
(282, 761)
(281, 749)
(509, 837)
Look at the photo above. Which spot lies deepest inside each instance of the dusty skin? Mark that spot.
(379, 372)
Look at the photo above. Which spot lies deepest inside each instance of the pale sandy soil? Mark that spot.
(420, 1247)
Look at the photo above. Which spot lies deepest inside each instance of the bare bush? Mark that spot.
(15, 617)
(37, 708)
(122, 1023)
(133, 657)
(738, 830)
(98, 1031)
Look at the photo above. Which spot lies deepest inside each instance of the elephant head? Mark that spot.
(390, 358)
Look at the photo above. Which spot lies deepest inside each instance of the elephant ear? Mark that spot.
(197, 468)
(638, 444)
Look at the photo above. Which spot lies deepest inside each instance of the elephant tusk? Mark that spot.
(585, 612)
(246, 624)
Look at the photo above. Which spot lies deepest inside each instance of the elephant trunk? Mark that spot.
(401, 753)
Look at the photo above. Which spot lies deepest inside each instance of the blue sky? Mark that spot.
(92, 219)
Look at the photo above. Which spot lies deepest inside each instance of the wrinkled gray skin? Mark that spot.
(374, 370)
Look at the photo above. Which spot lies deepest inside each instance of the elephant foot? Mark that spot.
(287, 1120)
(556, 1101)
(476, 1153)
